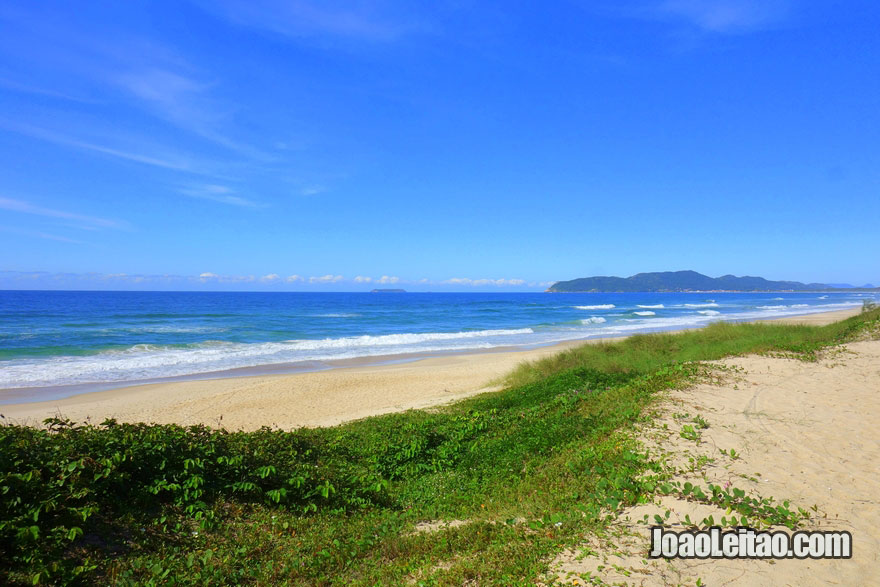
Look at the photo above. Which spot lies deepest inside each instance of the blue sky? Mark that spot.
(457, 145)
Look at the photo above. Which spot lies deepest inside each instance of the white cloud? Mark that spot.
(264, 281)
(483, 282)
(236, 278)
(326, 279)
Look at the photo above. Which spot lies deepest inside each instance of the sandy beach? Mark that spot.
(322, 398)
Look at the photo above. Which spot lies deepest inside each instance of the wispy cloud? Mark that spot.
(17, 86)
(312, 190)
(726, 16)
(63, 139)
(39, 234)
(218, 193)
(171, 91)
(122, 67)
(362, 21)
(89, 221)
(185, 102)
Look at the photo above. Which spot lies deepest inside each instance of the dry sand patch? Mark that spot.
(808, 432)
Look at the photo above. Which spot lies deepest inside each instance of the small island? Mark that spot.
(388, 291)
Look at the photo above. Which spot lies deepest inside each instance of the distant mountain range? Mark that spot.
(851, 286)
(680, 281)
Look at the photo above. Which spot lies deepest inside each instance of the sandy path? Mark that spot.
(303, 399)
(808, 432)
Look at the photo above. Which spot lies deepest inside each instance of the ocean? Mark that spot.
(70, 342)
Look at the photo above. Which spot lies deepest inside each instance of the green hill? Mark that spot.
(673, 281)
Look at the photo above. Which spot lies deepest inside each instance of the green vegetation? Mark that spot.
(531, 469)
(685, 281)
(645, 353)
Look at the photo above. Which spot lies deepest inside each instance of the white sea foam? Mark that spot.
(823, 297)
(597, 307)
(708, 312)
(627, 326)
(623, 326)
(397, 339)
(167, 329)
(649, 313)
(777, 299)
(593, 320)
(706, 305)
(772, 307)
(655, 306)
(336, 315)
(146, 361)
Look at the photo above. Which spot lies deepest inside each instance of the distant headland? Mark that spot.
(685, 281)
(388, 291)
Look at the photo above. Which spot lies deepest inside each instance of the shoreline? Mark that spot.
(23, 395)
(312, 398)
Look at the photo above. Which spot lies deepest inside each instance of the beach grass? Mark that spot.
(486, 490)
(643, 353)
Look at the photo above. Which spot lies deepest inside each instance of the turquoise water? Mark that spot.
(52, 339)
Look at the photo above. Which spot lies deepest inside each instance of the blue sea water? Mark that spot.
(55, 338)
